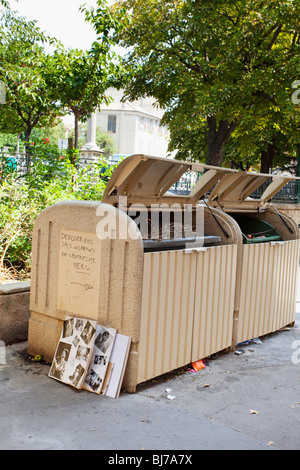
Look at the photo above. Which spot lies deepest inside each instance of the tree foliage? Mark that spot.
(22, 57)
(41, 86)
(5, 4)
(22, 198)
(79, 79)
(214, 66)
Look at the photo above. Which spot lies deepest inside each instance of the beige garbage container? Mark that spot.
(172, 292)
(188, 293)
(170, 271)
(266, 287)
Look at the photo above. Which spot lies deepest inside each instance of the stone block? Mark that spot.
(14, 311)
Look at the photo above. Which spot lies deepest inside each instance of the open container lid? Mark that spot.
(146, 180)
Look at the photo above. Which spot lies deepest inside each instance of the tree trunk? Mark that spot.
(28, 148)
(76, 126)
(267, 157)
(73, 143)
(217, 137)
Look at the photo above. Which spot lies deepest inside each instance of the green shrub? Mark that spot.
(51, 178)
(18, 211)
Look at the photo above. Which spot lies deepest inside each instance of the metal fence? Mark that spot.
(17, 162)
(186, 183)
(20, 162)
(289, 194)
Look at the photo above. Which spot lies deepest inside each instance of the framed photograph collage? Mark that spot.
(90, 356)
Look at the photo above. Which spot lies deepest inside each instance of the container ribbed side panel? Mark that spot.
(257, 290)
(285, 291)
(167, 312)
(268, 288)
(187, 307)
(214, 301)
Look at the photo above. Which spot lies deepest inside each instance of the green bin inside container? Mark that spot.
(255, 230)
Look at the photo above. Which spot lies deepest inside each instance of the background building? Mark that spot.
(134, 126)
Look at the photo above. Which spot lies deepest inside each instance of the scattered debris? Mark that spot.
(198, 365)
(170, 397)
(239, 352)
(254, 412)
(256, 341)
(270, 443)
(249, 341)
(206, 385)
(38, 358)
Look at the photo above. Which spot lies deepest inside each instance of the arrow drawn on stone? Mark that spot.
(86, 286)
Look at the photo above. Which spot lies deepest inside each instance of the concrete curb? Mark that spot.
(14, 287)
(14, 311)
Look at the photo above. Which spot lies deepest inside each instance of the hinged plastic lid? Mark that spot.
(147, 180)
(142, 178)
(235, 189)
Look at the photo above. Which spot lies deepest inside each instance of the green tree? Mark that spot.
(53, 133)
(103, 139)
(211, 64)
(105, 142)
(79, 79)
(265, 140)
(10, 141)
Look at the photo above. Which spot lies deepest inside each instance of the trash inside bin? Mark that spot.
(256, 230)
(179, 243)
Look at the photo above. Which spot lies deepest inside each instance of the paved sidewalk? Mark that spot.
(248, 402)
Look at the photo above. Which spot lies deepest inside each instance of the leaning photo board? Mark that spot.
(103, 346)
(118, 360)
(73, 352)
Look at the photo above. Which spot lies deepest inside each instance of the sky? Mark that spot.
(60, 19)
